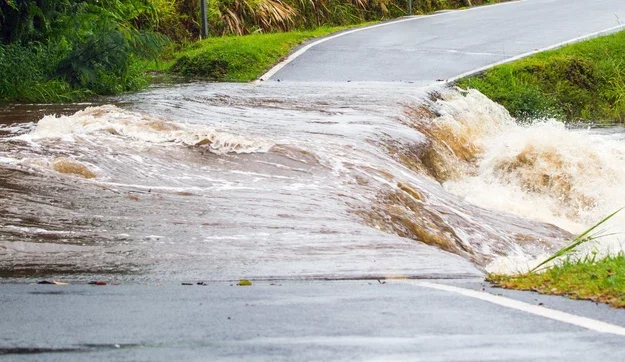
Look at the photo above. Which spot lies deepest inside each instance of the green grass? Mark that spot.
(597, 280)
(563, 273)
(579, 82)
(237, 58)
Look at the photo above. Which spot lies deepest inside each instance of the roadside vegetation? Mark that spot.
(578, 277)
(64, 50)
(238, 58)
(67, 50)
(579, 82)
(596, 280)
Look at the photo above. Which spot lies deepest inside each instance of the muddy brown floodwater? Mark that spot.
(225, 181)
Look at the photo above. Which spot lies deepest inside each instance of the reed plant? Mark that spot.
(590, 235)
(239, 17)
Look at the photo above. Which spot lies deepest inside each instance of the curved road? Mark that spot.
(443, 46)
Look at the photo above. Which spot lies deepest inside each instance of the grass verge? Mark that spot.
(579, 82)
(237, 58)
(600, 280)
(596, 280)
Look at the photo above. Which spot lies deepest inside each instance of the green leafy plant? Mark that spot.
(65, 50)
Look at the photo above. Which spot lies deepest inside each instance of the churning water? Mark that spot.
(222, 181)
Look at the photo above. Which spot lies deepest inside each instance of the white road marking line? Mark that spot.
(611, 30)
(305, 48)
(557, 315)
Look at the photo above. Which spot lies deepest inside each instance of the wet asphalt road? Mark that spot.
(446, 45)
(342, 320)
(306, 320)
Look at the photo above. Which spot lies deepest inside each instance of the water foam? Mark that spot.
(110, 120)
(542, 171)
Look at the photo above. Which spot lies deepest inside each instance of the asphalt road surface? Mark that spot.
(297, 321)
(426, 49)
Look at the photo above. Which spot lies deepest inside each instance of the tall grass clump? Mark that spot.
(240, 17)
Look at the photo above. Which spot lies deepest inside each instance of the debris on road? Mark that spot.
(53, 282)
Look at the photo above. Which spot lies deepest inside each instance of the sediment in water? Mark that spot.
(283, 181)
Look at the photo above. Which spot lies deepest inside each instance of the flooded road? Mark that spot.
(228, 181)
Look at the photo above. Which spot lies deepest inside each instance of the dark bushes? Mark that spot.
(64, 50)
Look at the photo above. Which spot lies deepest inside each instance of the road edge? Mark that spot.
(597, 34)
(554, 314)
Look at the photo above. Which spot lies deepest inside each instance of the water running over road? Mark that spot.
(225, 181)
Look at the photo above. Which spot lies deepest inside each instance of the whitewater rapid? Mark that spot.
(310, 181)
(543, 170)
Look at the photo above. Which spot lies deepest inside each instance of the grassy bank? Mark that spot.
(238, 58)
(579, 82)
(597, 280)
(564, 273)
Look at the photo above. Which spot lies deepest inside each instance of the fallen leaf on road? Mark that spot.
(51, 282)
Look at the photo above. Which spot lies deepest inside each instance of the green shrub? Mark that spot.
(67, 50)
(30, 69)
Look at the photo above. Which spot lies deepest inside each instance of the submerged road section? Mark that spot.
(443, 46)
